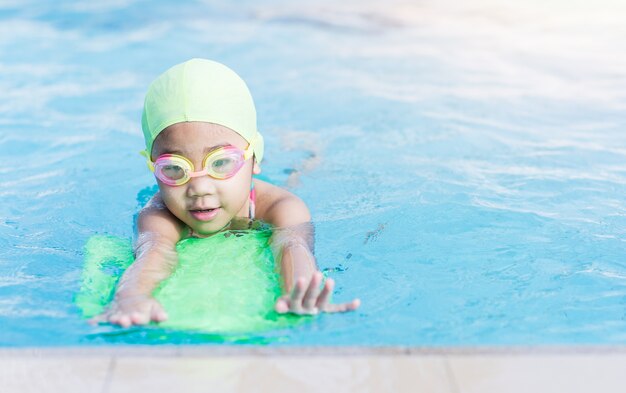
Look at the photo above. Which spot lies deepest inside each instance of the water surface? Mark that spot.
(464, 163)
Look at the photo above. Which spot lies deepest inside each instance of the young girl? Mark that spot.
(199, 124)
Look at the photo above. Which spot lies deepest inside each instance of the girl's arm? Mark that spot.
(155, 259)
(292, 244)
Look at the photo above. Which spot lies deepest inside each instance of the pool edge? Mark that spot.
(249, 350)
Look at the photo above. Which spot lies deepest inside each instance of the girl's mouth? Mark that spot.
(204, 215)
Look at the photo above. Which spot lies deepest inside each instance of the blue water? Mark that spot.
(464, 163)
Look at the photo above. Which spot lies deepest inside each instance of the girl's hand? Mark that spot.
(132, 310)
(311, 299)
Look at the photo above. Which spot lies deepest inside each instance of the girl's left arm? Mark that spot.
(292, 243)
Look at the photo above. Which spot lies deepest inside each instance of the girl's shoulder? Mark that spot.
(268, 194)
(278, 206)
(266, 189)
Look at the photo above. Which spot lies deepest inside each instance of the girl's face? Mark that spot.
(205, 204)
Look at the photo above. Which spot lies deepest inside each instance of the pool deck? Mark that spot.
(313, 369)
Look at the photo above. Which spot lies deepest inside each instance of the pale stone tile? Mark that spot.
(177, 374)
(72, 374)
(569, 373)
(348, 374)
(282, 374)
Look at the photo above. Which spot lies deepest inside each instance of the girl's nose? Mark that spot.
(201, 186)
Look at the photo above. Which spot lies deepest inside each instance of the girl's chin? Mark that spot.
(206, 230)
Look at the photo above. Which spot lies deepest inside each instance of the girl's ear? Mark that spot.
(256, 169)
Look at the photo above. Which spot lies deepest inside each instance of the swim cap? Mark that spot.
(200, 90)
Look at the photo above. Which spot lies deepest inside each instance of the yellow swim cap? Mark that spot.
(200, 90)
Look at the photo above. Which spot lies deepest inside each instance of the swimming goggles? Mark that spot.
(220, 163)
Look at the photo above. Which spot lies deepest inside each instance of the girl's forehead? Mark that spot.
(190, 137)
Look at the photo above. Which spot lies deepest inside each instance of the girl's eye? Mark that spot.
(220, 162)
(173, 171)
(223, 165)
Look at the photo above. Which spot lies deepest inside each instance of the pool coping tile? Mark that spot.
(282, 374)
(515, 373)
(25, 374)
(252, 350)
(311, 369)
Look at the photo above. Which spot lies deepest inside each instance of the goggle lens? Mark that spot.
(224, 165)
(173, 172)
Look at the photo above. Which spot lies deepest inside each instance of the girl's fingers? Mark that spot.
(296, 295)
(282, 305)
(125, 321)
(158, 314)
(312, 293)
(353, 305)
(324, 297)
(136, 314)
(332, 308)
(139, 318)
(114, 318)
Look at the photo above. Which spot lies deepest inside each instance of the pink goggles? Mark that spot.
(221, 163)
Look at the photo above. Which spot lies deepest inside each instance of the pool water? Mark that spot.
(464, 163)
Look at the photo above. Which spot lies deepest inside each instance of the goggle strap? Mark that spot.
(148, 160)
(248, 152)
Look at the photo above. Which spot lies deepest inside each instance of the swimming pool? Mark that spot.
(464, 164)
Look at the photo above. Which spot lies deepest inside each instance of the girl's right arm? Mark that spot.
(155, 259)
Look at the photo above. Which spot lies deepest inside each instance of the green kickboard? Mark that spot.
(225, 284)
